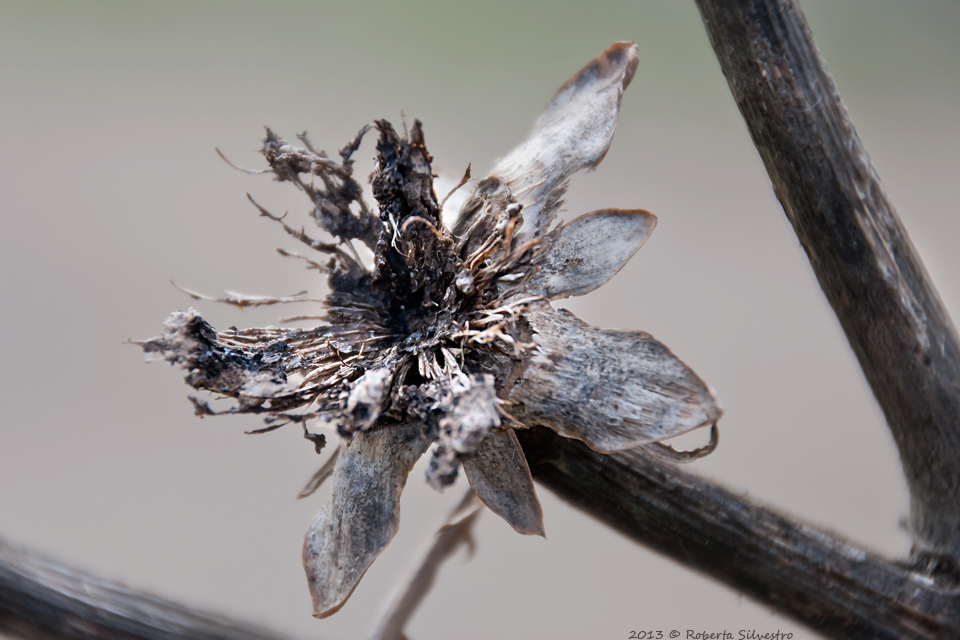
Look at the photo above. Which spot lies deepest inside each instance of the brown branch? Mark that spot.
(859, 250)
(43, 599)
(809, 574)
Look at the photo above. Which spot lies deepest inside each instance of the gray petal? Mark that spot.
(612, 389)
(362, 513)
(584, 254)
(498, 472)
(573, 133)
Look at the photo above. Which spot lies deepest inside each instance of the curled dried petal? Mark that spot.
(469, 409)
(366, 398)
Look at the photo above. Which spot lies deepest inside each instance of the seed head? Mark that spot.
(447, 340)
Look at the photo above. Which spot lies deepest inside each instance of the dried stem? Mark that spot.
(809, 574)
(43, 599)
(857, 246)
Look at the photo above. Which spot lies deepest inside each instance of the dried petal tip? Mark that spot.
(573, 133)
(362, 513)
(613, 390)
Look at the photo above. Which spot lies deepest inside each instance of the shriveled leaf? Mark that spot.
(612, 389)
(584, 254)
(362, 513)
(573, 133)
(499, 473)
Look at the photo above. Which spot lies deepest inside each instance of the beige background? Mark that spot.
(109, 115)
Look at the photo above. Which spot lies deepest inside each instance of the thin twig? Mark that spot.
(456, 531)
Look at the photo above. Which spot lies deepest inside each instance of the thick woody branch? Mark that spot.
(809, 574)
(859, 249)
(44, 600)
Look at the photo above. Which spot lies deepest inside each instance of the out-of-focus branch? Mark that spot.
(859, 250)
(42, 599)
(414, 587)
(809, 574)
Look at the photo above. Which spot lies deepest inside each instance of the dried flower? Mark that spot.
(448, 341)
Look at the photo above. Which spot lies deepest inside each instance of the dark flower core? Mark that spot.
(424, 333)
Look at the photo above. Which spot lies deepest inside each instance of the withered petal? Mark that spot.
(362, 513)
(586, 253)
(612, 389)
(499, 473)
(573, 133)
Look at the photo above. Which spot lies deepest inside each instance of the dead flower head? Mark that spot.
(448, 342)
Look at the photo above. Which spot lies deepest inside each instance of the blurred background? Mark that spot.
(109, 116)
